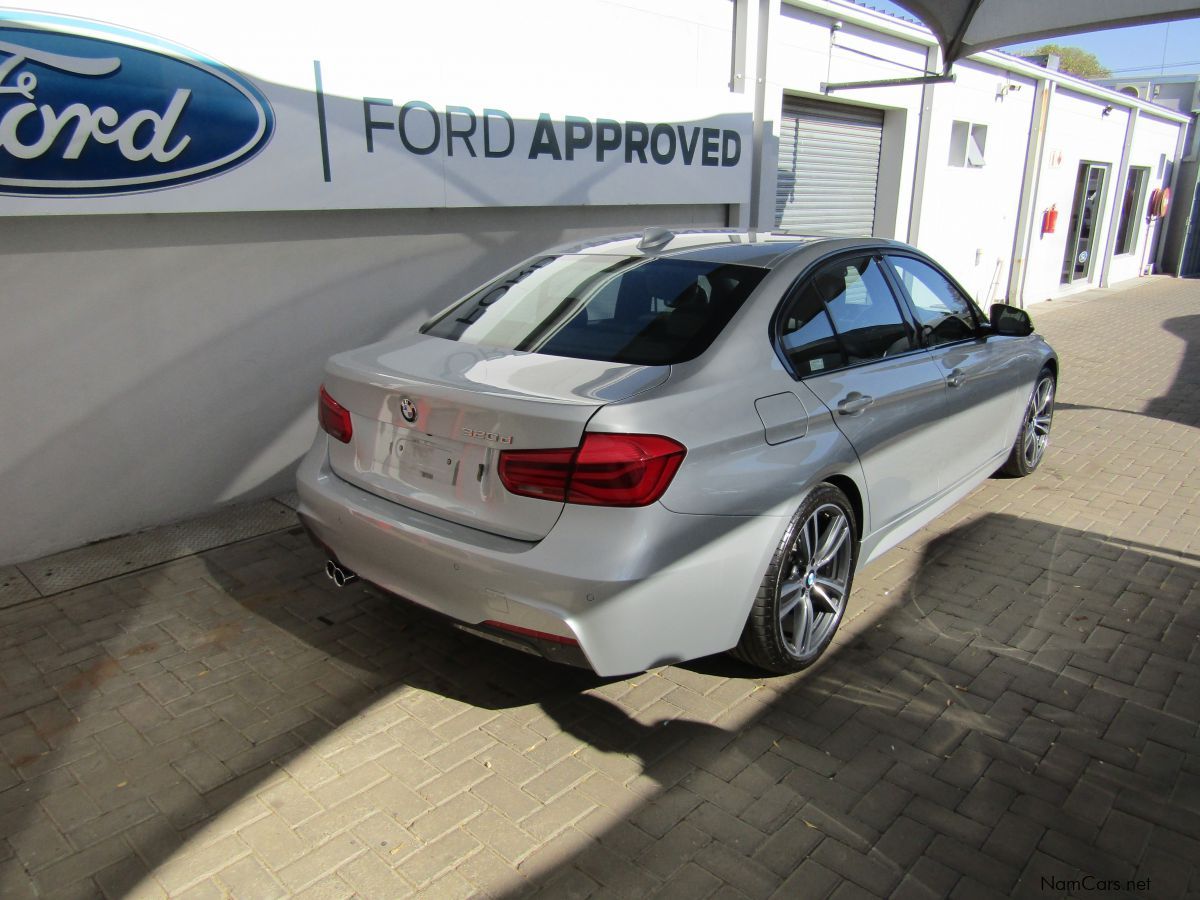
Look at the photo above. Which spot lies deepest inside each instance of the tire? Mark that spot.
(1034, 436)
(800, 605)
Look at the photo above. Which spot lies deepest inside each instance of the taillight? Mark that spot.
(604, 470)
(334, 418)
(537, 473)
(623, 469)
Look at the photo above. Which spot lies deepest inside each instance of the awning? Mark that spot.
(968, 26)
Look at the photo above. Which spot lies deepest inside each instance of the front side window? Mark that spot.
(943, 313)
(843, 315)
(618, 309)
(863, 310)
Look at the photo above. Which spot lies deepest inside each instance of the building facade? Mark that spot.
(196, 210)
(1180, 93)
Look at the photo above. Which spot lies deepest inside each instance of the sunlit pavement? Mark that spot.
(1012, 708)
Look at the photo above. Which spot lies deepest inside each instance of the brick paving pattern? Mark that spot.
(1012, 707)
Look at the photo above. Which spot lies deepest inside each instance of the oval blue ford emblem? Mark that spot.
(91, 109)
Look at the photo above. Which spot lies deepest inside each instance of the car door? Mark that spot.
(847, 340)
(977, 368)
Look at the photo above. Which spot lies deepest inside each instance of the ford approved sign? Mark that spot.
(91, 109)
(100, 118)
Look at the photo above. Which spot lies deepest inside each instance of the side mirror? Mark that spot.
(1010, 320)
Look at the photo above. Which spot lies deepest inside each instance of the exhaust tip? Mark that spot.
(341, 577)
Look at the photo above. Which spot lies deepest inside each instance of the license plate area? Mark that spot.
(423, 459)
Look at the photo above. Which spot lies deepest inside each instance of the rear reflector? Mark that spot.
(334, 418)
(529, 632)
(605, 470)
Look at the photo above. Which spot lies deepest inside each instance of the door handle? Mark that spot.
(956, 377)
(854, 403)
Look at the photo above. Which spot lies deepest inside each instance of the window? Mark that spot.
(968, 142)
(807, 336)
(844, 315)
(590, 306)
(1131, 205)
(943, 313)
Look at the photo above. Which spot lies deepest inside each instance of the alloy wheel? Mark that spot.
(814, 581)
(1035, 434)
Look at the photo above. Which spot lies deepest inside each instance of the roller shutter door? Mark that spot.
(828, 167)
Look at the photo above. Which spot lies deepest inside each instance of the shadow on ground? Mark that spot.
(1025, 712)
(1005, 728)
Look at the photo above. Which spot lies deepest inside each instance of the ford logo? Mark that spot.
(90, 109)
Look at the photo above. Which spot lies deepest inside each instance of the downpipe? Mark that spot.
(339, 576)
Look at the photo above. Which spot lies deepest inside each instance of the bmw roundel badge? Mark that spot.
(408, 409)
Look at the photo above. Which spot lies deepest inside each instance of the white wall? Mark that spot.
(155, 366)
(1079, 131)
(969, 215)
(1153, 147)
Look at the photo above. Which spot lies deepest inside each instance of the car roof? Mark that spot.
(764, 249)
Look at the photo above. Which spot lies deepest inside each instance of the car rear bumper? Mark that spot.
(636, 588)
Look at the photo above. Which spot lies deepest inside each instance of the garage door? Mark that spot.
(828, 167)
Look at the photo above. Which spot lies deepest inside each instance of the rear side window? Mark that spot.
(944, 314)
(807, 336)
(616, 309)
(843, 315)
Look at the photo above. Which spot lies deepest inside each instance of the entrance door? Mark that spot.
(1083, 240)
(1191, 247)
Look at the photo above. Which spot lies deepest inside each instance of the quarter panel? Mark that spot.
(730, 469)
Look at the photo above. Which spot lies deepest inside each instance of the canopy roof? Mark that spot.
(968, 26)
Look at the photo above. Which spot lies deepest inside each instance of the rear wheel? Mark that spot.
(803, 595)
(1034, 436)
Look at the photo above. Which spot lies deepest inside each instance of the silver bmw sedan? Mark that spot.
(646, 449)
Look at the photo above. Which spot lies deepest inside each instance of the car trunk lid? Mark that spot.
(430, 417)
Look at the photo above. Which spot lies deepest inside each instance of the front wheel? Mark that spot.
(803, 595)
(1034, 436)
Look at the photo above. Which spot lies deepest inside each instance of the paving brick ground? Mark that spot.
(1013, 708)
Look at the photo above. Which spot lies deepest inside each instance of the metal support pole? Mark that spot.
(1118, 207)
(932, 61)
(1023, 238)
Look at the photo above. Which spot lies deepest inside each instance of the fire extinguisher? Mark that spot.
(1050, 219)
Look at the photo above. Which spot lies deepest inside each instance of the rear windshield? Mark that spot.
(624, 310)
